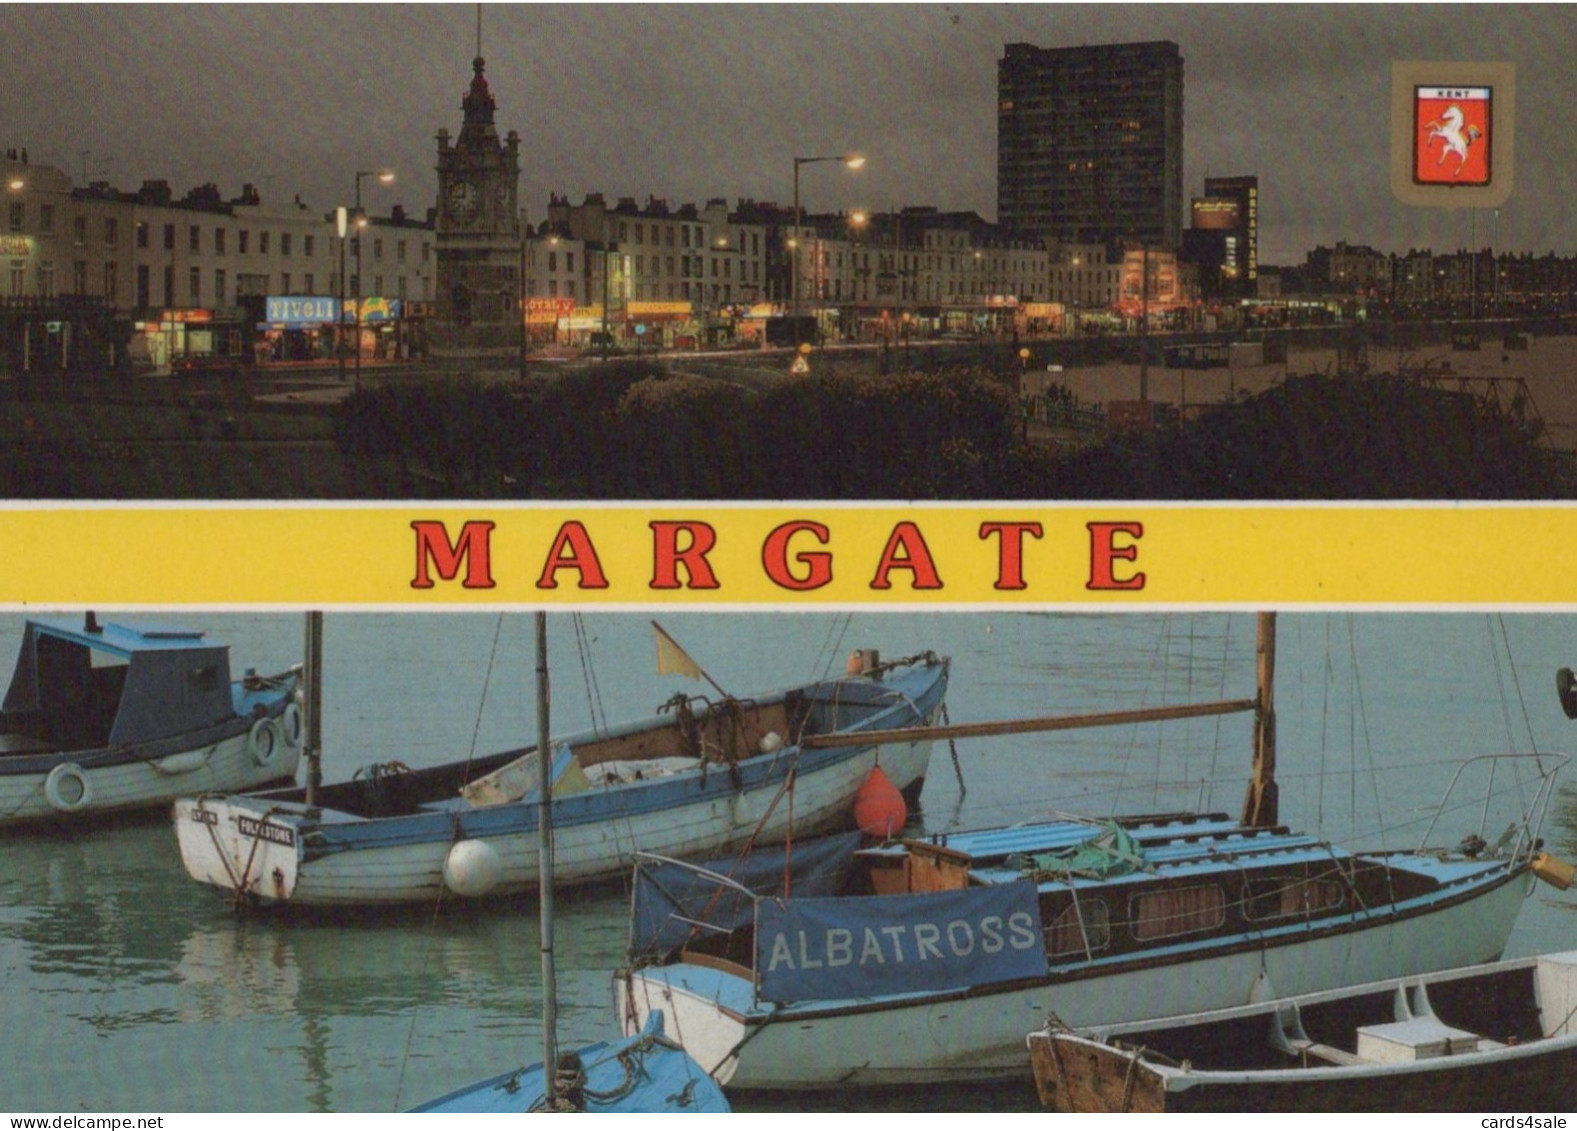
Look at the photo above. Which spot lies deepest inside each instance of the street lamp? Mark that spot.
(850, 161)
(340, 225)
(385, 176)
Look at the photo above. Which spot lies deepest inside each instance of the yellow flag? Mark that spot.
(672, 659)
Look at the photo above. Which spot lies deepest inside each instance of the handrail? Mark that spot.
(1532, 819)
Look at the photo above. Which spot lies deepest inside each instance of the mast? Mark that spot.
(545, 866)
(1260, 804)
(314, 681)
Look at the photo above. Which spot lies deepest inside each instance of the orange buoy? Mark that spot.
(879, 808)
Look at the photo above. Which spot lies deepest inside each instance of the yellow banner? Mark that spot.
(810, 555)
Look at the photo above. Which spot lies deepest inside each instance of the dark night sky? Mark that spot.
(685, 102)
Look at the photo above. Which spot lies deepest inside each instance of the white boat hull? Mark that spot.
(980, 1036)
(220, 843)
(82, 787)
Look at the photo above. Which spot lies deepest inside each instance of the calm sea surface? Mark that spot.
(130, 989)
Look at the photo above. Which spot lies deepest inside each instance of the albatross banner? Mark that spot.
(816, 949)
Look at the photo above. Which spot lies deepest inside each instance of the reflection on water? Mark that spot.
(137, 990)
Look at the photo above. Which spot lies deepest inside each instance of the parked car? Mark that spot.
(206, 365)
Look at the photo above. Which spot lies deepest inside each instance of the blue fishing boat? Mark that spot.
(107, 717)
(644, 1072)
(697, 777)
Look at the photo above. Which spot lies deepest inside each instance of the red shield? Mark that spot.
(1452, 135)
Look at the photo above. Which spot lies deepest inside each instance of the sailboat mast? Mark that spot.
(550, 1005)
(1260, 806)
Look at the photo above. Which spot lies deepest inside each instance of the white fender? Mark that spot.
(263, 743)
(745, 812)
(472, 868)
(290, 724)
(67, 788)
(185, 762)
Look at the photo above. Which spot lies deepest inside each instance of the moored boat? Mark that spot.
(106, 717)
(646, 1073)
(934, 953)
(1481, 1038)
(642, 1073)
(698, 777)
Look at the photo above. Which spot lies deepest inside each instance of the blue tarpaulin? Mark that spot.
(823, 949)
(676, 903)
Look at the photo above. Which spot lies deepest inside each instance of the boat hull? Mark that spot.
(1101, 1079)
(286, 853)
(978, 1035)
(1467, 1040)
(231, 842)
(77, 784)
(647, 1073)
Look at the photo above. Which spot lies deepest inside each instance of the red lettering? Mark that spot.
(572, 549)
(817, 565)
(472, 547)
(1010, 550)
(1104, 551)
(916, 557)
(667, 556)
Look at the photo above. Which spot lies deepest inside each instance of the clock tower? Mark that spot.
(477, 236)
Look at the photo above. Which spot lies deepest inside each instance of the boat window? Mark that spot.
(1278, 897)
(98, 659)
(205, 678)
(1080, 929)
(1177, 911)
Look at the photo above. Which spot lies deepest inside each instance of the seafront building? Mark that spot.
(1090, 143)
(1088, 238)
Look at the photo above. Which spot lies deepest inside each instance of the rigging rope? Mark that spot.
(588, 675)
(438, 897)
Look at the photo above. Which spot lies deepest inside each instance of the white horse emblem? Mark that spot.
(1447, 129)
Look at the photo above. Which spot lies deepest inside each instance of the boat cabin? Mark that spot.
(87, 686)
(1110, 892)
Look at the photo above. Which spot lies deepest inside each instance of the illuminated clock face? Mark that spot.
(462, 200)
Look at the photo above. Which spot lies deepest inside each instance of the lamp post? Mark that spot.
(859, 289)
(340, 225)
(385, 176)
(850, 161)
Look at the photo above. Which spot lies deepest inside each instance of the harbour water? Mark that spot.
(130, 989)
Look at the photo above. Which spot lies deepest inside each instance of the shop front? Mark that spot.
(375, 328)
(299, 328)
(657, 324)
(545, 318)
